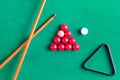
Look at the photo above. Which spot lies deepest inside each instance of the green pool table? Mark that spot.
(101, 17)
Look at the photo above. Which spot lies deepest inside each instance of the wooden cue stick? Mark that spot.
(29, 41)
(22, 45)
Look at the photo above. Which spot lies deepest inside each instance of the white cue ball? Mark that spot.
(84, 31)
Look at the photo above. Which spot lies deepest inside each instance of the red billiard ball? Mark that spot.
(68, 33)
(68, 47)
(57, 40)
(61, 47)
(53, 47)
(76, 47)
(64, 27)
(72, 40)
(65, 40)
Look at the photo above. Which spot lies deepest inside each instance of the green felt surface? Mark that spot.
(101, 17)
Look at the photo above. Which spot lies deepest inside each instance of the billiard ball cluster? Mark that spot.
(64, 41)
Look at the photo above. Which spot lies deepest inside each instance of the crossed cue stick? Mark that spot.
(28, 41)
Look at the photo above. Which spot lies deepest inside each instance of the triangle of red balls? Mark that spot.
(64, 41)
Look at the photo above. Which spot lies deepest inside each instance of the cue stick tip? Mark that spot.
(54, 15)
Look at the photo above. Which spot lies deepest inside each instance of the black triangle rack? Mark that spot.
(107, 47)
